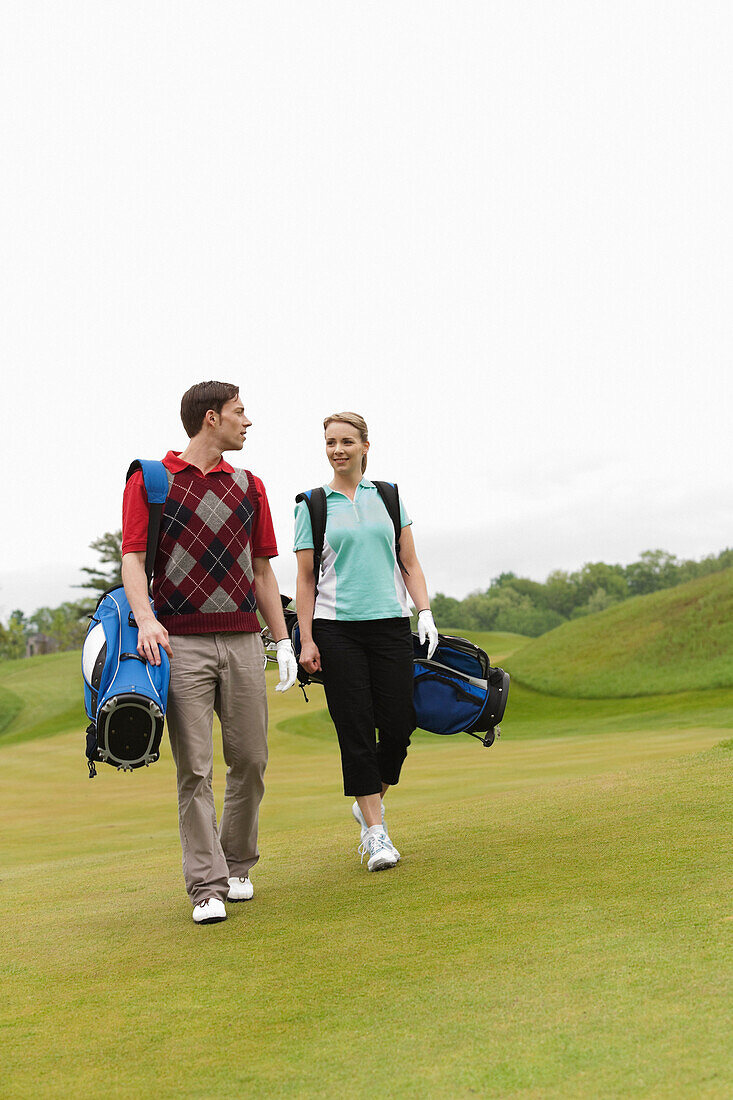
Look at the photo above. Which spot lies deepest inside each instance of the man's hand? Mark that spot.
(310, 658)
(286, 664)
(151, 635)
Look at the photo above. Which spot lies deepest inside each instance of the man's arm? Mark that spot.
(269, 604)
(267, 595)
(150, 633)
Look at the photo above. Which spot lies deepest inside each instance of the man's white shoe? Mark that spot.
(377, 845)
(209, 911)
(360, 820)
(240, 889)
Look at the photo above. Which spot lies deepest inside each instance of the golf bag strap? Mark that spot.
(155, 479)
(390, 495)
(315, 500)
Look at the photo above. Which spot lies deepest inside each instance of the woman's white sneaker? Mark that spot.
(240, 889)
(209, 911)
(380, 849)
(359, 818)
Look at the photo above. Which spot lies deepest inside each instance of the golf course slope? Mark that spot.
(41, 697)
(676, 640)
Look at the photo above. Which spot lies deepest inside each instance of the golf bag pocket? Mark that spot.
(125, 697)
(457, 690)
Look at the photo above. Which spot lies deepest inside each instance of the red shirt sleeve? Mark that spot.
(263, 532)
(134, 515)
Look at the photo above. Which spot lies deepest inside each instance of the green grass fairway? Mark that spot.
(559, 926)
(680, 639)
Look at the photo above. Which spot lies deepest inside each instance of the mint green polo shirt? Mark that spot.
(360, 578)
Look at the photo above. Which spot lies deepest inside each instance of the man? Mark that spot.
(212, 573)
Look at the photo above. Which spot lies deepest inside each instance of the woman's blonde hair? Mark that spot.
(355, 421)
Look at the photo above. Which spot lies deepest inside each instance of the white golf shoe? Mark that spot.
(240, 889)
(380, 849)
(359, 818)
(209, 911)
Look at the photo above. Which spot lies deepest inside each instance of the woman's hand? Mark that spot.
(310, 658)
(427, 631)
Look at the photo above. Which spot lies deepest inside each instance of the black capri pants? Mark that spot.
(368, 677)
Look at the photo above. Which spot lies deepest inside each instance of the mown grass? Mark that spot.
(677, 640)
(10, 707)
(559, 926)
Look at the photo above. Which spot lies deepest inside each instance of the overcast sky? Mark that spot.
(499, 230)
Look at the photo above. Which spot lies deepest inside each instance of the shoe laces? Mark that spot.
(370, 845)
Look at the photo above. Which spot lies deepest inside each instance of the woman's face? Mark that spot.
(344, 448)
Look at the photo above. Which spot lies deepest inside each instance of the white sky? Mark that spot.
(500, 231)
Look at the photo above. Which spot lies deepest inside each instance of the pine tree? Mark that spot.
(109, 548)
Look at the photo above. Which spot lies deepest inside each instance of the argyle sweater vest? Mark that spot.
(203, 580)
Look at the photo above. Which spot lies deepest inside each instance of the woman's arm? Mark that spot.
(418, 589)
(305, 599)
(415, 578)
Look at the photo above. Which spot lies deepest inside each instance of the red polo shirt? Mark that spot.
(135, 510)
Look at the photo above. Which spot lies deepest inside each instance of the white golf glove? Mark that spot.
(427, 630)
(287, 665)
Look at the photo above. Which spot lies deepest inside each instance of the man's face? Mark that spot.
(232, 425)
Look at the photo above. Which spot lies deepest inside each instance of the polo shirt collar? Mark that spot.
(175, 464)
(364, 481)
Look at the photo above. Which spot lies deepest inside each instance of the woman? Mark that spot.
(356, 628)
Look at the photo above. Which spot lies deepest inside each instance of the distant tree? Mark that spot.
(598, 601)
(655, 569)
(66, 624)
(596, 575)
(446, 610)
(503, 579)
(561, 593)
(12, 637)
(525, 587)
(109, 548)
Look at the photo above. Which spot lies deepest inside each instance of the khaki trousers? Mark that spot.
(223, 673)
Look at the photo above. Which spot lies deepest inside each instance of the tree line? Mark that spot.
(67, 624)
(523, 606)
(510, 603)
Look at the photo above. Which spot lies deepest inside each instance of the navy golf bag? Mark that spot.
(457, 690)
(125, 697)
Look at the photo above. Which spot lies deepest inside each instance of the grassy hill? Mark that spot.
(40, 696)
(677, 640)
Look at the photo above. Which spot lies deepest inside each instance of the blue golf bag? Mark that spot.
(125, 697)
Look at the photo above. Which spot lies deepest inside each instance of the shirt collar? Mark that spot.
(175, 464)
(365, 482)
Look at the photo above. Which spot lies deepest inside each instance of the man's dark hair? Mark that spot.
(197, 401)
